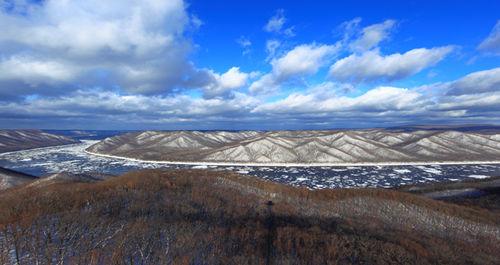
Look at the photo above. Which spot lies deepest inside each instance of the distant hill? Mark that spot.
(208, 217)
(14, 140)
(87, 134)
(327, 147)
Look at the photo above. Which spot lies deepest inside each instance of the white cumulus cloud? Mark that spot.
(137, 45)
(372, 35)
(376, 100)
(35, 72)
(224, 83)
(276, 24)
(371, 65)
(302, 60)
(271, 48)
(245, 44)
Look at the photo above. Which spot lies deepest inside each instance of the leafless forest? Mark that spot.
(203, 217)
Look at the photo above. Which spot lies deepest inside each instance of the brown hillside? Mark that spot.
(204, 217)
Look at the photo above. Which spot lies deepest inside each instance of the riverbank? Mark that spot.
(374, 164)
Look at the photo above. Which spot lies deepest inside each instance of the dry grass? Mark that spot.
(204, 217)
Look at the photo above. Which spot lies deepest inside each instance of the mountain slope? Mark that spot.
(13, 140)
(362, 146)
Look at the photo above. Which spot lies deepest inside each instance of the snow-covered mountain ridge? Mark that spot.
(13, 140)
(354, 146)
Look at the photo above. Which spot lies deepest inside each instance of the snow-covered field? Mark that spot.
(73, 158)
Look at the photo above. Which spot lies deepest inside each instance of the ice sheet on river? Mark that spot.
(72, 158)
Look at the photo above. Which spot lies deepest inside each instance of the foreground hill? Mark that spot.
(204, 217)
(363, 146)
(484, 193)
(13, 140)
(10, 178)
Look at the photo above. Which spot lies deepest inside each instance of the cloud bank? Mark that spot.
(129, 64)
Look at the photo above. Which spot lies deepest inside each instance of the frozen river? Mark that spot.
(72, 158)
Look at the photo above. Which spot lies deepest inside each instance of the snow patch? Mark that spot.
(479, 176)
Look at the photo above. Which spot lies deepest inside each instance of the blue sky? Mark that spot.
(420, 24)
(248, 65)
